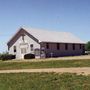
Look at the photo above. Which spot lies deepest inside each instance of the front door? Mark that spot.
(23, 49)
(23, 52)
(22, 56)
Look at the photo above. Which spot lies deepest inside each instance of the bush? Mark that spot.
(6, 56)
(29, 56)
(87, 46)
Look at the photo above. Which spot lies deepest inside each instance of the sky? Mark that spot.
(58, 15)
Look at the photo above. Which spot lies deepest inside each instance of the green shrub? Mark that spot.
(87, 46)
(89, 52)
(29, 56)
(6, 56)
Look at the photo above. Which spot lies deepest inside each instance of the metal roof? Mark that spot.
(53, 36)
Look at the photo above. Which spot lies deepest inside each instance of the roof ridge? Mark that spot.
(40, 29)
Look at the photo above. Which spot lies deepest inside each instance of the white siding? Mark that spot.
(17, 44)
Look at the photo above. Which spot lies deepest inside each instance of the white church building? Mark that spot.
(44, 43)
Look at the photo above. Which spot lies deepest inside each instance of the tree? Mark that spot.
(88, 46)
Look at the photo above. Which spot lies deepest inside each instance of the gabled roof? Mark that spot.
(52, 36)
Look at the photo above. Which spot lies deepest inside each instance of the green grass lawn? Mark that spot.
(44, 81)
(44, 64)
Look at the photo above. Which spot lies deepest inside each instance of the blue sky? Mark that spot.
(61, 15)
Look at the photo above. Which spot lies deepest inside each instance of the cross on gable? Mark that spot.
(23, 35)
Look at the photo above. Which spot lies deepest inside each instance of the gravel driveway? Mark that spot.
(84, 70)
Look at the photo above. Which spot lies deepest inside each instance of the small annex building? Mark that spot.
(44, 43)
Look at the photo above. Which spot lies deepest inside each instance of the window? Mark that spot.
(58, 47)
(31, 46)
(66, 46)
(14, 49)
(73, 46)
(83, 47)
(23, 50)
(47, 45)
(80, 46)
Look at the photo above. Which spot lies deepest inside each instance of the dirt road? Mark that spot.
(84, 70)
